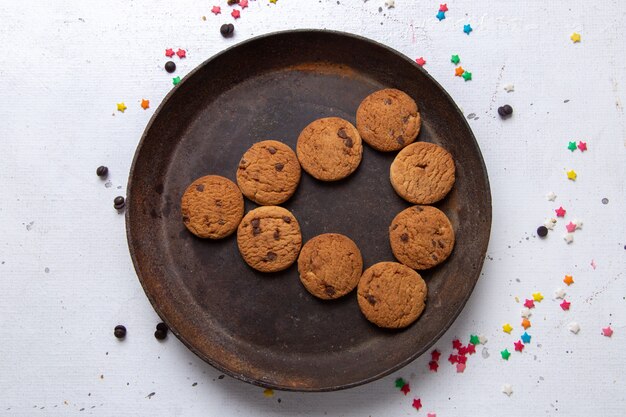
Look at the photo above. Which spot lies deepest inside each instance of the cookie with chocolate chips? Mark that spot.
(268, 173)
(391, 295)
(421, 237)
(269, 238)
(329, 149)
(212, 207)
(330, 265)
(388, 120)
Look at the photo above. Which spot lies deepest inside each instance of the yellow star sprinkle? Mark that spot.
(121, 107)
(537, 297)
(145, 103)
(507, 328)
(273, 1)
(575, 37)
(571, 174)
(268, 393)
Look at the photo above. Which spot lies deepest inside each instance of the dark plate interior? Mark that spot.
(265, 328)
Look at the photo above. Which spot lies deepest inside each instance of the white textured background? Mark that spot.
(66, 278)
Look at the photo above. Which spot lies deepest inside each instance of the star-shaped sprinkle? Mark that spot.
(169, 52)
(273, 1)
(471, 349)
(453, 359)
(460, 367)
(525, 338)
(459, 71)
(572, 146)
(560, 212)
(431, 415)
(525, 324)
(593, 264)
(420, 61)
(400, 383)
(505, 354)
(145, 104)
(507, 389)
(462, 351)
(433, 366)
(575, 37)
(390, 3)
(565, 305)
(235, 14)
(560, 292)
(456, 344)
(455, 59)
(537, 296)
(441, 15)
(216, 10)
(268, 392)
(482, 339)
(509, 88)
(551, 196)
(519, 346)
(550, 223)
(569, 280)
(607, 331)
(243, 3)
(467, 29)
(435, 355)
(529, 303)
(573, 327)
(405, 389)
(175, 80)
(443, 7)
(506, 328)
(467, 75)
(417, 403)
(181, 53)
(121, 107)
(568, 238)
(525, 313)
(578, 223)
(570, 227)
(582, 146)
(474, 340)
(571, 175)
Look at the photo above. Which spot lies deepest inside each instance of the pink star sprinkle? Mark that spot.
(420, 61)
(560, 212)
(460, 367)
(593, 264)
(582, 146)
(529, 303)
(519, 346)
(565, 305)
(169, 52)
(443, 7)
(243, 3)
(235, 14)
(216, 10)
(181, 53)
(571, 227)
(417, 403)
(431, 415)
(607, 331)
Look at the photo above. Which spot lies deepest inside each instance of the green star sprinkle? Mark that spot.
(455, 59)
(572, 146)
(400, 383)
(175, 80)
(467, 75)
(474, 340)
(505, 354)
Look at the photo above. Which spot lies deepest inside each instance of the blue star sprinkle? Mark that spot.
(525, 338)
(467, 29)
(441, 15)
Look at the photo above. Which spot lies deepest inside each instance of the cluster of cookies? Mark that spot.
(390, 294)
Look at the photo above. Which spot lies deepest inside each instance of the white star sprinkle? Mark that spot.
(559, 293)
(526, 312)
(568, 237)
(550, 223)
(578, 223)
(573, 327)
(482, 339)
(509, 88)
(551, 196)
(390, 3)
(507, 389)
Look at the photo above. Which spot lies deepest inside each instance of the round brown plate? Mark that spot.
(265, 328)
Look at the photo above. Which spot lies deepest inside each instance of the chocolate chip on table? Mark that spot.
(279, 167)
(227, 30)
(505, 111)
(160, 334)
(102, 171)
(542, 231)
(119, 203)
(119, 331)
(162, 326)
(170, 66)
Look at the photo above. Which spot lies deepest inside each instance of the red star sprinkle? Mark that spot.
(471, 349)
(571, 227)
(519, 346)
(235, 14)
(565, 305)
(420, 61)
(405, 389)
(582, 146)
(435, 355)
(443, 7)
(462, 350)
(169, 52)
(461, 359)
(460, 367)
(243, 3)
(433, 366)
(181, 53)
(456, 344)
(560, 212)
(453, 359)
(216, 10)
(417, 403)
(529, 303)
(607, 331)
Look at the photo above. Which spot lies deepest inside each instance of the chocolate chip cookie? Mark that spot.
(422, 173)
(212, 207)
(268, 173)
(330, 149)
(391, 295)
(388, 120)
(330, 265)
(421, 237)
(269, 238)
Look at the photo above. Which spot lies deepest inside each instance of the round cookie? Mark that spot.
(421, 237)
(330, 149)
(268, 173)
(388, 120)
(330, 265)
(269, 238)
(391, 295)
(212, 207)
(422, 173)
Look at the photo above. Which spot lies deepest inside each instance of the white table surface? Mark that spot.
(66, 278)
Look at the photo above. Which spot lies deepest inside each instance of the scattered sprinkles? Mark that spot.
(169, 52)
(575, 37)
(455, 59)
(405, 389)
(181, 53)
(525, 313)
(459, 71)
(176, 80)
(572, 146)
(443, 7)
(607, 331)
(571, 227)
(537, 296)
(505, 354)
(529, 303)
(506, 328)
(560, 212)
(507, 389)
(417, 403)
(593, 264)
(525, 338)
(474, 340)
(433, 366)
(216, 10)
(235, 14)
(400, 383)
(435, 355)
(243, 3)
(569, 280)
(482, 339)
(568, 238)
(145, 104)
(526, 324)
(573, 327)
(560, 293)
(268, 392)
(467, 28)
(121, 107)
(571, 175)
(509, 88)
(551, 196)
(519, 346)
(565, 305)
(460, 367)
(582, 146)
(420, 61)
(390, 3)
(550, 223)
(441, 15)
(467, 75)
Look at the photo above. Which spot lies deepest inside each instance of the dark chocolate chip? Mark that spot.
(221, 222)
(270, 256)
(271, 150)
(400, 140)
(418, 209)
(279, 167)
(276, 234)
(119, 331)
(441, 244)
(387, 101)
(255, 222)
(162, 327)
(231, 2)
(342, 133)
(405, 119)
(200, 188)
(170, 66)
(371, 299)
(348, 142)
(432, 241)
(404, 237)
(119, 202)
(102, 171)
(542, 231)
(256, 231)
(287, 219)
(218, 203)
(185, 219)
(394, 227)
(329, 290)
(505, 111)
(160, 334)
(435, 258)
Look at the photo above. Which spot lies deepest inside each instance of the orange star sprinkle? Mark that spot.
(459, 71)
(525, 324)
(568, 280)
(145, 103)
